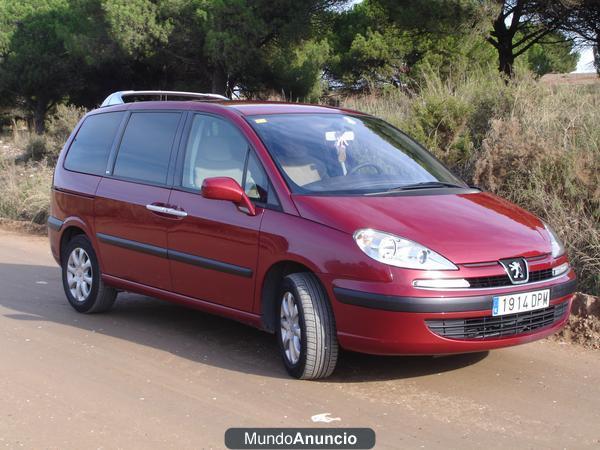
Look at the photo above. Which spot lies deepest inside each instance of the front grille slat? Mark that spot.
(539, 275)
(498, 326)
(503, 280)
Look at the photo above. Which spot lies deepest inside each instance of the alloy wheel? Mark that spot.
(290, 328)
(79, 274)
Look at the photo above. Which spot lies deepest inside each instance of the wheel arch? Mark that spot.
(70, 231)
(270, 285)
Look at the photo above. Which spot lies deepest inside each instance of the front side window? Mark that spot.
(256, 183)
(216, 148)
(145, 150)
(347, 154)
(91, 147)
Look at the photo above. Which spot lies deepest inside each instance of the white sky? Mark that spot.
(586, 61)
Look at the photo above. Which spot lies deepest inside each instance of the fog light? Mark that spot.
(442, 283)
(559, 270)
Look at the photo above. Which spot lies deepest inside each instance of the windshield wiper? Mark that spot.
(426, 185)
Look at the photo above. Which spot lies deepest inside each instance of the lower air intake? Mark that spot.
(499, 326)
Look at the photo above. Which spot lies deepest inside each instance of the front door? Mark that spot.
(131, 222)
(213, 252)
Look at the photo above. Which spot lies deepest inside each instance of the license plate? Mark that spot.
(520, 302)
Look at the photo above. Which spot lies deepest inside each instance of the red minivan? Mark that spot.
(324, 226)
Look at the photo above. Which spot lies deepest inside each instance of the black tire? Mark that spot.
(319, 346)
(101, 297)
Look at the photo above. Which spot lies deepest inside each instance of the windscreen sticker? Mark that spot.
(261, 120)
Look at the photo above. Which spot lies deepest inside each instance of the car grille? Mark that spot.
(503, 280)
(499, 326)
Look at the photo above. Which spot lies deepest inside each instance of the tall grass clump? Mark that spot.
(545, 156)
(536, 145)
(25, 180)
(25, 190)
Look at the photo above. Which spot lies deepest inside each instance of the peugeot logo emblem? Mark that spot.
(516, 269)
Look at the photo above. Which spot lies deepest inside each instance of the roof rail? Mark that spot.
(118, 98)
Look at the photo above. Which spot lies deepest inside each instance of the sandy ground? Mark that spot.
(153, 375)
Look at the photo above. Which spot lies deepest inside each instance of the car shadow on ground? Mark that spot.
(34, 293)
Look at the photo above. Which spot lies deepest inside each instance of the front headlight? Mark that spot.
(558, 249)
(399, 252)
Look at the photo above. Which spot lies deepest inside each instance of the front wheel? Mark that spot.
(82, 282)
(306, 332)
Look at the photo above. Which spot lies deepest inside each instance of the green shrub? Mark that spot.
(59, 125)
(36, 148)
(443, 123)
(62, 121)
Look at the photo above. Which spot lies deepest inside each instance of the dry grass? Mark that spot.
(26, 167)
(25, 191)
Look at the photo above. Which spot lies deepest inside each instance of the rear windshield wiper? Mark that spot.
(426, 185)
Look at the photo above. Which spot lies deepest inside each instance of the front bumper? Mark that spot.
(383, 323)
(435, 304)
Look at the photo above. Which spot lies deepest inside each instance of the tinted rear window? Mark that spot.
(91, 147)
(145, 150)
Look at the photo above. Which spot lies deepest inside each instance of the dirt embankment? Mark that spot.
(22, 226)
(584, 324)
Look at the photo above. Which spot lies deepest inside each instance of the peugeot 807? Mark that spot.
(326, 227)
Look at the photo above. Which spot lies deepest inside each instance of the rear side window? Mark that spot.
(91, 147)
(145, 150)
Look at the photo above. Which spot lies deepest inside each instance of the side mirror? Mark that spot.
(225, 188)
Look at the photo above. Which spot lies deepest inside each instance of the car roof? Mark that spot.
(252, 108)
(242, 107)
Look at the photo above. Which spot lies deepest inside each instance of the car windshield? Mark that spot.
(348, 154)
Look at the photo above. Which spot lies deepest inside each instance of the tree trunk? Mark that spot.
(219, 81)
(504, 45)
(39, 116)
(597, 53)
(15, 129)
(231, 84)
(506, 61)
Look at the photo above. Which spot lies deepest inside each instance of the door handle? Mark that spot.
(165, 210)
(175, 212)
(156, 208)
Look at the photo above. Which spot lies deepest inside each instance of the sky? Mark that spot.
(586, 61)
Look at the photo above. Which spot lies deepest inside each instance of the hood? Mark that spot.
(464, 228)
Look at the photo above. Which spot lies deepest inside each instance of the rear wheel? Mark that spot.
(82, 282)
(306, 332)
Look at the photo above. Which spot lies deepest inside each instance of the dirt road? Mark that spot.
(153, 375)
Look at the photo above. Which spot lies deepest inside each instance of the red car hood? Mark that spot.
(464, 228)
